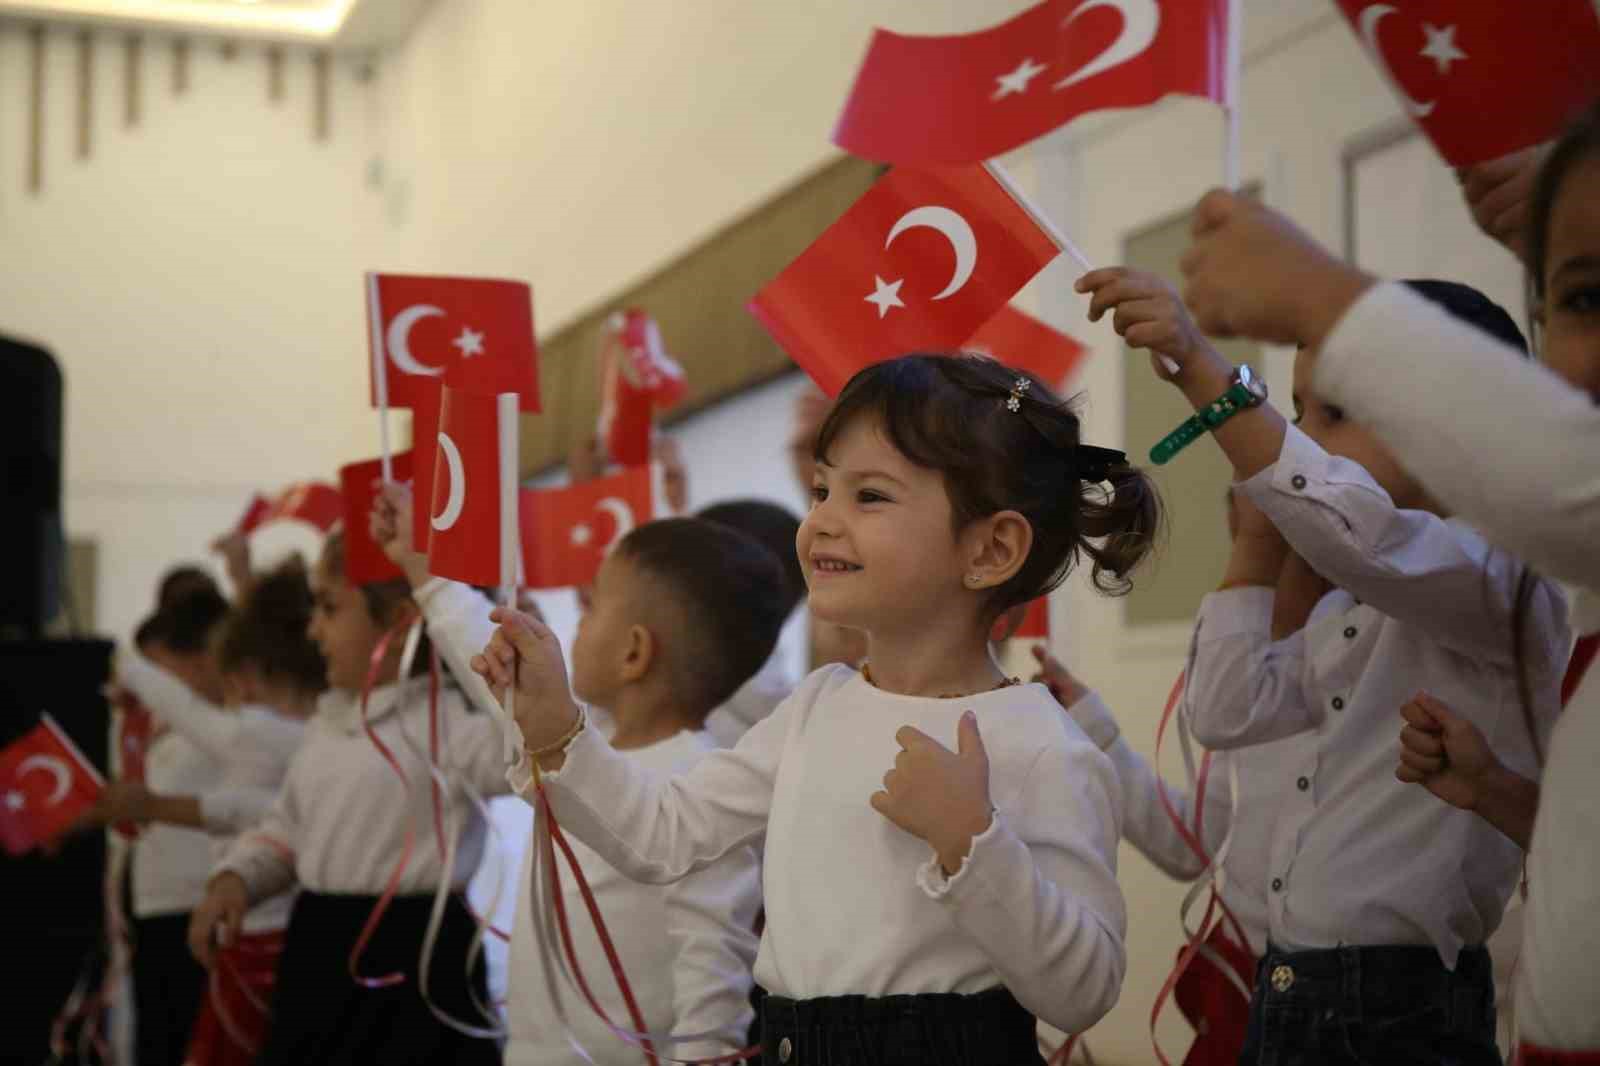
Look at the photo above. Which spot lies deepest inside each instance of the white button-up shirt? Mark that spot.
(1420, 603)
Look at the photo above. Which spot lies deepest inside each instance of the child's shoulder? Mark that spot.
(1027, 717)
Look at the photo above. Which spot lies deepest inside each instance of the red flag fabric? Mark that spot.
(926, 101)
(314, 502)
(566, 533)
(135, 728)
(1212, 1004)
(1019, 340)
(45, 784)
(424, 445)
(468, 333)
(638, 378)
(254, 513)
(364, 561)
(1035, 622)
(1486, 78)
(919, 262)
(473, 518)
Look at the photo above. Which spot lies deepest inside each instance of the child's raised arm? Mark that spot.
(652, 829)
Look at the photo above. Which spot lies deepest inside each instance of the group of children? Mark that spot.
(911, 854)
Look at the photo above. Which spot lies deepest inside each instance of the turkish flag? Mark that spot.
(135, 728)
(919, 262)
(926, 101)
(1485, 78)
(254, 512)
(364, 561)
(567, 533)
(637, 379)
(314, 502)
(45, 784)
(1019, 340)
(424, 442)
(468, 333)
(473, 519)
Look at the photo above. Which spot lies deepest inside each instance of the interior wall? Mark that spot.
(198, 278)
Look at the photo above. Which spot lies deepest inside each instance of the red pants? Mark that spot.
(232, 1025)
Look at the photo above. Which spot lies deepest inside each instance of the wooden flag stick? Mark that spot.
(1231, 93)
(380, 375)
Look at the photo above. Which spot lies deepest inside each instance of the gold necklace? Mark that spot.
(866, 673)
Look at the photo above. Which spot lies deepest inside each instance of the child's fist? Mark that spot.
(215, 922)
(1147, 313)
(390, 526)
(937, 794)
(524, 656)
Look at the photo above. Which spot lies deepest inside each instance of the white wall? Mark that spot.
(198, 279)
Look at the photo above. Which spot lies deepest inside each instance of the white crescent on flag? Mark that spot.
(52, 765)
(1140, 21)
(1368, 21)
(399, 338)
(451, 512)
(955, 229)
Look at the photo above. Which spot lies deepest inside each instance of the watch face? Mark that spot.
(1252, 383)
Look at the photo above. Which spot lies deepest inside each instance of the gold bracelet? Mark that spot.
(560, 745)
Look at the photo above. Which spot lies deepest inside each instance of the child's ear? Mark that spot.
(998, 548)
(640, 655)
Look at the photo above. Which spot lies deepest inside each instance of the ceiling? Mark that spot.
(343, 24)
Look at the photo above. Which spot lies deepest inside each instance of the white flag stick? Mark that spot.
(380, 378)
(1231, 93)
(1061, 240)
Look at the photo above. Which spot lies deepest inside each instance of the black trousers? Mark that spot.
(320, 1015)
(1395, 1006)
(167, 986)
(987, 1029)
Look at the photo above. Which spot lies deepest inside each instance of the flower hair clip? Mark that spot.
(1018, 391)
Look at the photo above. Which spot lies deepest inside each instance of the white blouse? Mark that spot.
(854, 904)
(339, 822)
(252, 747)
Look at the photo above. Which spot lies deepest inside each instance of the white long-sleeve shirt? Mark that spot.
(252, 747)
(170, 863)
(1420, 603)
(687, 948)
(856, 905)
(339, 822)
(1512, 448)
(1147, 826)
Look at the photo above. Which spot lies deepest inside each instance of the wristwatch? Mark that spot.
(1246, 389)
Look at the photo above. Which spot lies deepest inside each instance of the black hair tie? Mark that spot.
(1094, 464)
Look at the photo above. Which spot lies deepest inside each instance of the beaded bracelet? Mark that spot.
(566, 739)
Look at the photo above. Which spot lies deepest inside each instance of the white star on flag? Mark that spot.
(1441, 46)
(582, 534)
(470, 342)
(885, 295)
(14, 801)
(1017, 81)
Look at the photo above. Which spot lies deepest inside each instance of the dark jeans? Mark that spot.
(987, 1029)
(1377, 1006)
(167, 986)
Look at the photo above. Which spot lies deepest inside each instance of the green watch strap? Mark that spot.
(1212, 415)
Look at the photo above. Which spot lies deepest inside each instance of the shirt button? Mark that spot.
(785, 1049)
(1303, 784)
(1277, 884)
(1349, 632)
(1338, 703)
(1298, 481)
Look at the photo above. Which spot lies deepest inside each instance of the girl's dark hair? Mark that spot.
(268, 631)
(950, 413)
(383, 598)
(1579, 142)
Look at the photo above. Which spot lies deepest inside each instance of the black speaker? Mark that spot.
(52, 905)
(31, 541)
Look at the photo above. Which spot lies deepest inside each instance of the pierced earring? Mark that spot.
(973, 579)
